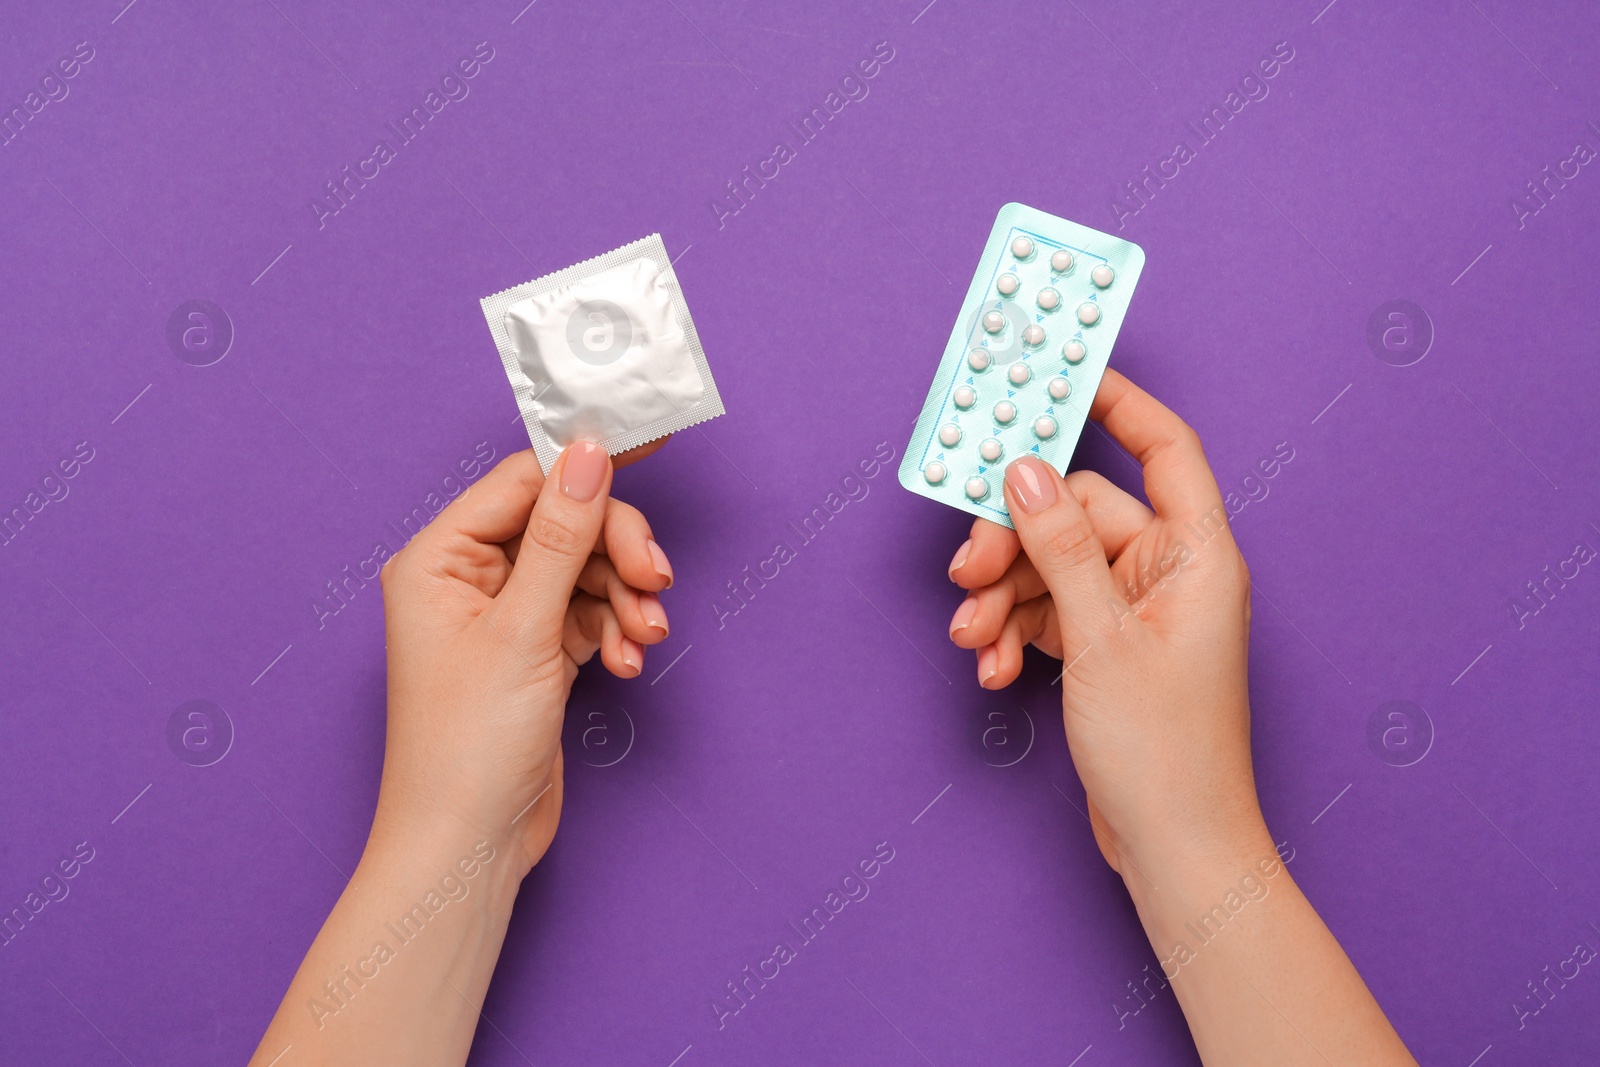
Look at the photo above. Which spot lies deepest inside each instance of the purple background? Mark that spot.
(828, 713)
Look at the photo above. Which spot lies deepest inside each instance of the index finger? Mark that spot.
(1177, 478)
(985, 555)
(627, 539)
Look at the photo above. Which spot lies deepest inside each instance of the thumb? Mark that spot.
(562, 531)
(1060, 540)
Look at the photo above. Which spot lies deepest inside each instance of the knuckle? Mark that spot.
(1073, 545)
(400, 572)
(554, 535)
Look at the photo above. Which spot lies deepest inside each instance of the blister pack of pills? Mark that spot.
(603, 351)
(1024, 359)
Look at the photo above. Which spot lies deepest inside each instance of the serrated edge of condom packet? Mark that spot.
(1049, 233)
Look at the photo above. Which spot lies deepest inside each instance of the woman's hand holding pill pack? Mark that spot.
(1148, 608)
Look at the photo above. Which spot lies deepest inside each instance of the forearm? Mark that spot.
(398, 973)
(1259, 976)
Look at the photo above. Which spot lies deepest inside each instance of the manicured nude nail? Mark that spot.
(964, 614)
(988, 665)
(632, 655)
(658, 560)
(585, 468)
(655, 616)
(1032, 485)
(961, 557)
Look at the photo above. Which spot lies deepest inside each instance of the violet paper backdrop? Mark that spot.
(1339, 272)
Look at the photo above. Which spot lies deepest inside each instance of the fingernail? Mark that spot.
(961, 556)
(658, 560)
(632, 655)
(655, 616)
(988, 665)
(964, 614)
(1031, 484)
(583, 471)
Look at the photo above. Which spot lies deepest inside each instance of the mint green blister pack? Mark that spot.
(1024, 359)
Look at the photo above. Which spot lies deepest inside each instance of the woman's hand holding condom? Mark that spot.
(489, 613)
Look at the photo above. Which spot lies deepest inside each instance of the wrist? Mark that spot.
(1188, 839)
(442, 860)
(1187, 890)
(423, 814)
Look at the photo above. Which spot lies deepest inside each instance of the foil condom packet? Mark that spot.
(603, 351)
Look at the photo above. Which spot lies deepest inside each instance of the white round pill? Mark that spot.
(1033, 335)
(934, 472)
(1049, 299)
(1088, 314)
(1019, 374)
(1044, 427)
(1074, 351)
(1102, 276)
(1007, 284)
(977, 488)
(990, 450)
(1022, 248)
(1061, 262)
(1059, 388)
(994, 322)
(978, 359)
(1004, 412)
(949, 435)
(964, 397)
